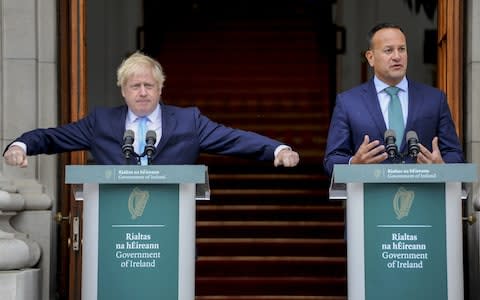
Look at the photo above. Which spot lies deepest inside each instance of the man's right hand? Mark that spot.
(15, 156)
(369, 152)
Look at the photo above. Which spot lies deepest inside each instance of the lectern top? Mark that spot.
(167, 174)
(385, 173)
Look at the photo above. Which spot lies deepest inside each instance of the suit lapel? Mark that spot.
(370, 99)
(118, 123)
(414, 105)
(168, 124)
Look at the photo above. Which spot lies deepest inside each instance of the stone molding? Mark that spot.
(17, 250)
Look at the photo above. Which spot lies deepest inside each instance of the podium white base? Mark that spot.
(20, 284)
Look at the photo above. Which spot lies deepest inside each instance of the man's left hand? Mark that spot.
(427, 157)
(286, 158)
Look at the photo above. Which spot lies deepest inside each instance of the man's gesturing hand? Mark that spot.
(427, 157)
(369, 152)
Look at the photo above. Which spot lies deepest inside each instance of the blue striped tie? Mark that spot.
(395, 114)
(142, 129)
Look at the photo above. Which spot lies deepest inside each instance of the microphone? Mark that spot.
(127, 147)
(150, 139)
(390, 146)
(412, 144)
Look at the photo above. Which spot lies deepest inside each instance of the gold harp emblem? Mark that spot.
(137, 201)
(402, 202)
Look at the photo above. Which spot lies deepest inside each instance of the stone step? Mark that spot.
(275, 266)
(270, 229)
(285, 212)
(269, 297)
(256, 285)
(299, 247)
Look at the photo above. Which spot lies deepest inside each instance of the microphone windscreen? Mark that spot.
(129, 134)
(389, 133)
(411, 135)
(151, 134)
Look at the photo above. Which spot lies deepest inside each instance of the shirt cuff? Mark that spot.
(20, 144)
(280, 148)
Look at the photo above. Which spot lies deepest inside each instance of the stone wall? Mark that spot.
(28, 99)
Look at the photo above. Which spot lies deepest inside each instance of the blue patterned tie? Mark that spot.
(142, 129)
(395, 114)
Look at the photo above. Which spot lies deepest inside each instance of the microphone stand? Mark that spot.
(128, 159)
(400, 157)
(145, 153)
(128, 153)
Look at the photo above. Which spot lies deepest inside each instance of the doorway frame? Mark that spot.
(73, 106)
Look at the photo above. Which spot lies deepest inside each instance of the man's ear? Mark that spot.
(369, 57)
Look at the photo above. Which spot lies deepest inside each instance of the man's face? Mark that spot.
(141, 93)
(388, 55)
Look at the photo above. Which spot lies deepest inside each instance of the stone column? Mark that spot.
(28, 100)
(472, 140)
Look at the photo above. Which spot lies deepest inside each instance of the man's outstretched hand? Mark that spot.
(15, 156)
(286, 158)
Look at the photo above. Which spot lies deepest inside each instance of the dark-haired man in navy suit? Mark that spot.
(181, 133)
(360, 116)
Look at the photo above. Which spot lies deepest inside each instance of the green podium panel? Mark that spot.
(138, 241)
(404, 230)
(405, 241)
(138, 230)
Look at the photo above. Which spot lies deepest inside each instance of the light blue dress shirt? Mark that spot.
(154, 122)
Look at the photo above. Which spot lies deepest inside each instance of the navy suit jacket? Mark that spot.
(357, 113)
(185, 133)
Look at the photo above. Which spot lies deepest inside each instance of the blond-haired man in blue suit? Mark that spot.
(360, 116)
(181, 133)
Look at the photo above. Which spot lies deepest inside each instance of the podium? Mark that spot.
(403, 229)
(138, 229)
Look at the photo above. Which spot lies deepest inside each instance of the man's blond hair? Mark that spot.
(139, 61)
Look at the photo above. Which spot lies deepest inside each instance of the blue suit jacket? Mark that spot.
(185, 133)
(357, 113)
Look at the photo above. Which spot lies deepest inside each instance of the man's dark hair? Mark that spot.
(378, 27)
